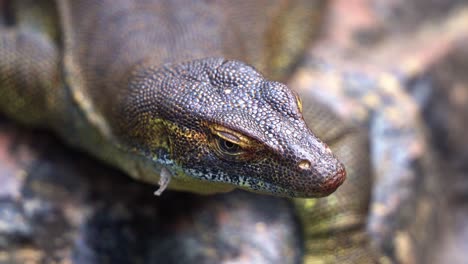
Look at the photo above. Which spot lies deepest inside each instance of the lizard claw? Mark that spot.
(164, 179)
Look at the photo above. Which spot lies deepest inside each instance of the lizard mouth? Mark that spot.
(307, 188)
(325, 189)
(324, 185)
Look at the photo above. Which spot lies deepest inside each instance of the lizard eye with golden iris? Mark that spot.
(228, 147)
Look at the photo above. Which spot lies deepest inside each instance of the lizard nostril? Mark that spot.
(304, 164)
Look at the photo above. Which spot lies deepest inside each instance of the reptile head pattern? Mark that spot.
(225, 123)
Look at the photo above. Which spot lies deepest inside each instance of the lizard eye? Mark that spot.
(228, 147)
(232, 145)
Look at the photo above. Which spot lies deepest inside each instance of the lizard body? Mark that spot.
(145, 85)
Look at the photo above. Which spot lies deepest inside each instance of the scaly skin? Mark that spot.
(153, 95)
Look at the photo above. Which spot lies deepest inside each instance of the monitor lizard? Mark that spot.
(98, 54)
(158, 89)
(337, 228)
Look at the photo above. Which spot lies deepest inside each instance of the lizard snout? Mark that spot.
(334, 181)
(322, 178)
(318, 171)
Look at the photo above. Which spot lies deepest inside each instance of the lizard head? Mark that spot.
(223, 122)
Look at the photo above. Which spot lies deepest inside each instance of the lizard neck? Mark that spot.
(144, 38)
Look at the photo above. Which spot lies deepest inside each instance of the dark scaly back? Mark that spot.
(106, 39)
(29, 62)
